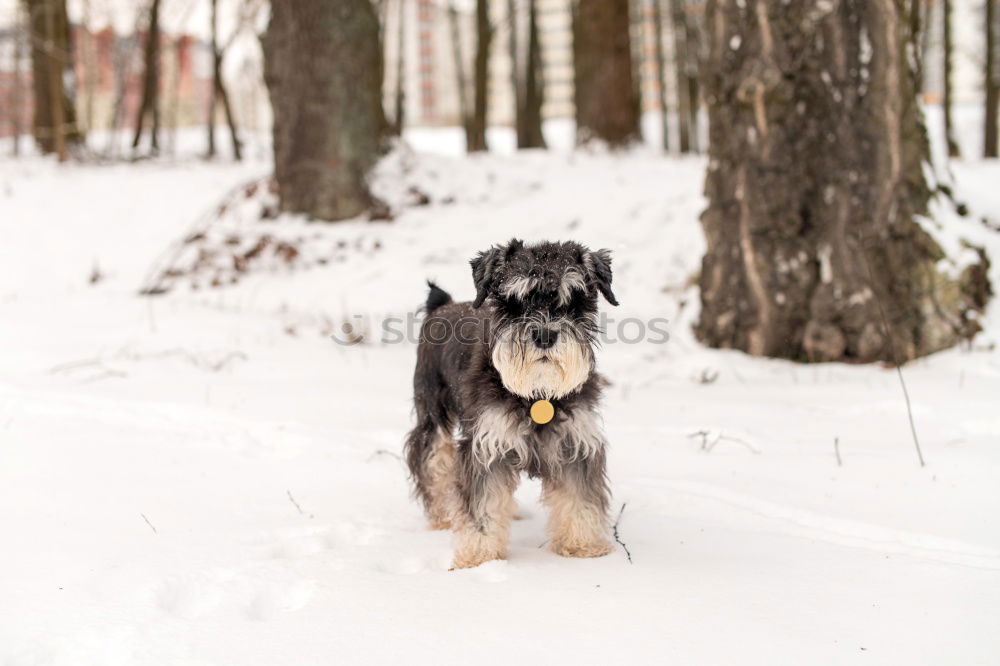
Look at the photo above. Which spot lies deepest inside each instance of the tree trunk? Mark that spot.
(219, 95)
(815, 181)
(55, 121)
(679, 19)
(607, 107)
(948, 51)
(16, 98)
(459, 62)
(534, 86)
(323, 69)
(400, 115)
(150, 83)
(484, 34)
(516, 83)
(692, 48)
(992, 80)
(661, 73)
(216, 67)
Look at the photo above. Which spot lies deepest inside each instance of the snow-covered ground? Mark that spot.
(206, 477)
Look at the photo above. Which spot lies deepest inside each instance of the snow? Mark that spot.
(205, 477)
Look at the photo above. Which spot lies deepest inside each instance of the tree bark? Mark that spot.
(948, 51)
(150, 82)
(816, 178)
(484, 34)
(607, 107)
(992, 80)
(679, 19)
(55, 119)
(323, 69)
(661, 73)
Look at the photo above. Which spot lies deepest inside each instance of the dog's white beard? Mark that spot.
(531, 372)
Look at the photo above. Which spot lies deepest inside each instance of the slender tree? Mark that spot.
(150, 104)
(460, 76)
(661, 72)
(948, 52)
(531, 135)
(684, 102)
(815, 184)
(991, 81)
(516, 80)
(481, 67)
(55, 120)
(16, 98)
(607, 107)
(400, 115)
(219, 94)
(323, 69)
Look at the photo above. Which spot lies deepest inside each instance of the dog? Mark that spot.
(528, 337)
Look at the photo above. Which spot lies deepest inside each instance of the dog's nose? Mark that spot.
(544, 337)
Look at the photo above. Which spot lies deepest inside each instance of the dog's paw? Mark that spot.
(470, 560)
(583, 548)
(439, 524)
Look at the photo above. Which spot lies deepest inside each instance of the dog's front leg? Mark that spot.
(577, 495)
(487, 507)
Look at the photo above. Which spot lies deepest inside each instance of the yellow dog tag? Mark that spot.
(542, 412)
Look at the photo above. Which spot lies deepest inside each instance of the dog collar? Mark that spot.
(542, 411)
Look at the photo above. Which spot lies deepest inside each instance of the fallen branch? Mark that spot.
(617, 538)
(149, 523)
(836, 449)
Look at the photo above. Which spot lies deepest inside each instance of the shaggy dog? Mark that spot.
(483, 369)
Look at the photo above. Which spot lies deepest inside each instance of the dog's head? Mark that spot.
(543, 301)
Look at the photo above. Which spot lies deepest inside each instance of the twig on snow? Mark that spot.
(289, 492)
(836, 449)
(384, 452)
(149, 523)
(618, 538)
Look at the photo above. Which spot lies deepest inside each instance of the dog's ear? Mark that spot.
(598, 265)
(483, 266)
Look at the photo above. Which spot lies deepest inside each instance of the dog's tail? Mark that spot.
(436, 298)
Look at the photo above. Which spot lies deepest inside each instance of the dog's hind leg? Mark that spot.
(430, 455)
(485, 510)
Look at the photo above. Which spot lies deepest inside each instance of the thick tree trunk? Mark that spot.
(948, 51)
(534, 86)
(55, 121)
(992, 79)
(323, 69)
(607, 107)
(815, 180)
(150, 104)
(661, 73)
(679, 20)
(484, 34)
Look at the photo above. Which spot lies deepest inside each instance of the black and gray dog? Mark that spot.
(528, 338)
